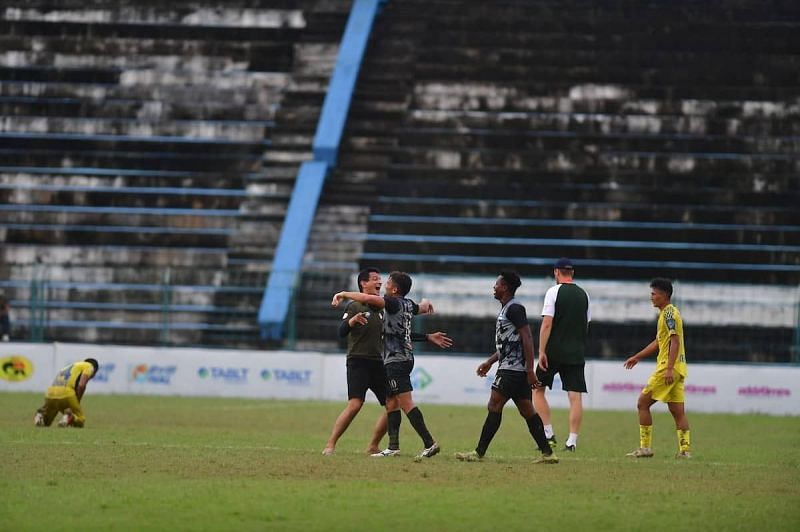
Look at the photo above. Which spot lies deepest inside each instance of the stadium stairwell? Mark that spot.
(311, 177)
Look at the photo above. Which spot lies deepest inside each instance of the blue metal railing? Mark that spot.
(303, 204)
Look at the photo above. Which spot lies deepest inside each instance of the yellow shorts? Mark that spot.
(661, 391)
(53, 405)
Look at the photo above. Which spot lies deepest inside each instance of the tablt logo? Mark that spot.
(292, 377)
(230, 375)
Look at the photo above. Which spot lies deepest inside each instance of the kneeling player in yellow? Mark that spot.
(667, 381)
(65, 394)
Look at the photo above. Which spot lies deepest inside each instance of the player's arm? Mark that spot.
(350, 321)
(674, 347)
(486, 365)
(437, 338)
(544, 337)
(80, 388)
(425, 307)
(367, 299)
(527, 349)
(650, 349)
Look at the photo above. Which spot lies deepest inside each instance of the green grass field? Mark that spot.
(152, 463)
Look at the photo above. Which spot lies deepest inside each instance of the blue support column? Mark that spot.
(288, 260)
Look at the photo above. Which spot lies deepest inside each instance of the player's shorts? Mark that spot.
(512, 384)
(572, 376)
(53, 406)
(398, 377)
(661, 391)
(366, 374)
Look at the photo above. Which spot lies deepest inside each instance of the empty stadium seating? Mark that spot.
(147, 154)
(638, 139)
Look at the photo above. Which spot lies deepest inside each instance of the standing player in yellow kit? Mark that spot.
(65, 394)
(666, 384)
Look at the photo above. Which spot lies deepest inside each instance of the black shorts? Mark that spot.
(572, 376)
(512, 384)
(364, 374)
(398, 377)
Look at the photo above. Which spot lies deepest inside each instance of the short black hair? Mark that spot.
(663, 284)
(93, 362)
(511, 279)
(363, 276)
(402, 280)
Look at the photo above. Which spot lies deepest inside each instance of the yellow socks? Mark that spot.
(683, 440)
(646, 436)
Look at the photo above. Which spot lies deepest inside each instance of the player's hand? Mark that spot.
(425, 307)
(543, 361)
(440, 339)
(337, 298)
(632, 361)
(533, 380)
(358, 319)
(669, 376)
(483, 368)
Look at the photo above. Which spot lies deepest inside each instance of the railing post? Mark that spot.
(795, 355)
(38, 297)
(166, 304)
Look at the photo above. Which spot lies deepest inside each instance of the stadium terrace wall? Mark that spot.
(437, 379)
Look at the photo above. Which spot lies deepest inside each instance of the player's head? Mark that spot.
(369, 280)
(563, 269)
(400, 283)
(506, 285)
(660, 291)
(94, 364)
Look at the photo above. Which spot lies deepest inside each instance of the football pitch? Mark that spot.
(158, 463)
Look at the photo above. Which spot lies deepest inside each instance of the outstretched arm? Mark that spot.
(650, 349)
(437, 338)
(367, 299)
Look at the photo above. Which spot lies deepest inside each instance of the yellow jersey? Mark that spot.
(67, 379)
(670, 324)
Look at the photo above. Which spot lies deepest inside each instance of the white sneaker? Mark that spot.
(38, 419)
(641, 452)
(66, 420)
(428, 452)
(386, 452)
(327, 451)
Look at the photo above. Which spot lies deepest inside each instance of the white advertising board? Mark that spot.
(199, 372)
(733, 388)
(26, 367)
(729, 388)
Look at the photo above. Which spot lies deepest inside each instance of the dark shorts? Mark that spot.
(572, 376)
(364, 374)
(398, 377)
(512, 384)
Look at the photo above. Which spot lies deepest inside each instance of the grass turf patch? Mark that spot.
(156, 463)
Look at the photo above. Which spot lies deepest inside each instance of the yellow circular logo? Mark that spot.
(15, 368)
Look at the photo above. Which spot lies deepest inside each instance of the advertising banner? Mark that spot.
(729, 388)
(733, 388)
(268, 374)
